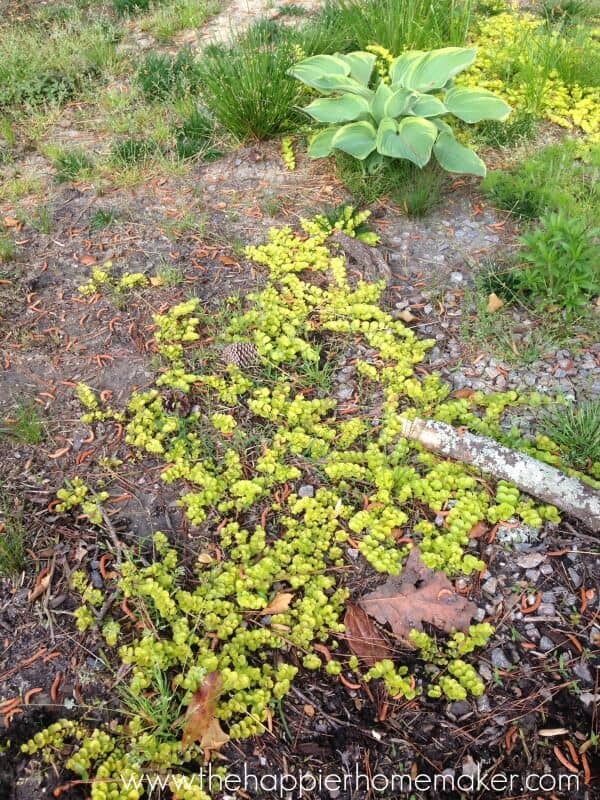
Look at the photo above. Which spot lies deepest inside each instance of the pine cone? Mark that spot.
(242, 354)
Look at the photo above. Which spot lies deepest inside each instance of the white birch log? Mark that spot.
(540, 480)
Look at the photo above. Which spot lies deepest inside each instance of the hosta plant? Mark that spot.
(404, 116)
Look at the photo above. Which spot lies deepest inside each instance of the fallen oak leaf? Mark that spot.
(362, 636)
(279, 604)
(201, 710)
(419, 595)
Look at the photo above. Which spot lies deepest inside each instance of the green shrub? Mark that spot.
(397, 114)
(162, 75)
(71, 164)
(576, 430)
(561, 260)
(246, 86)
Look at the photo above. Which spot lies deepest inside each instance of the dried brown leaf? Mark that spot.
(279, 604)
(362, 636)
(201, 710)
(419, 595)
(494, 303)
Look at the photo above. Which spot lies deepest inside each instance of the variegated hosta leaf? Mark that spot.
(412, 138)
(320, 145)
(399, 103)
(455, 157)
(426, 105)
(347, 108)
(473, 105)
(357, 139)
(311, 71)
(361, 65)
(433, 70)
(378, 103)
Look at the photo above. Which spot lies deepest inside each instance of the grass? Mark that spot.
(169, 18)
(553, 179)
(576, 430)
(162, 76)
(246, 87)
(132, 151)
(102, 218)
(12, 538)
(25, 425)
(520, 127)
(7, 248)
(416, 191)
(43, 65)
(195, 135)
(71, 165)
(400, 24)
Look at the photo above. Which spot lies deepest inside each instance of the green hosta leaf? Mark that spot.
(346, 108)
(412, 138)
(455, 157)
(378, 103)
(426, 105)
(361, 65)
(320, 145)
(473, 105)
(432, 70)
(311, 71)
(399, 103)
(402, 64)
(357, 139)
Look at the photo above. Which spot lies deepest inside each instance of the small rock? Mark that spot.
(96, 579)
(483, 704)
(546, 610)
(532, 632)
(459, 709)
(490, 586)
(306, 491)
(499, 659)
(345, 392)
(530, 560)
(583, 672)
(575, 577)
(546, 644)
(532, 575)
(456, 277)
(588, 698)
(546, 569)
(480, 614)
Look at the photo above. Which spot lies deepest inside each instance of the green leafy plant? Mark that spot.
(576, 430)
(246, 86)
(401, 118)
(133, 151)
(25, 424)
(560, 260)
(102, 218)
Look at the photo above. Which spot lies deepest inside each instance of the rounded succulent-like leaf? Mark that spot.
(455, 157)
(431, 70)
(312, 70)
(320, 145)
(346, 108)
(412, 138)
(473, 105)
(361, 65)
(356, 138)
